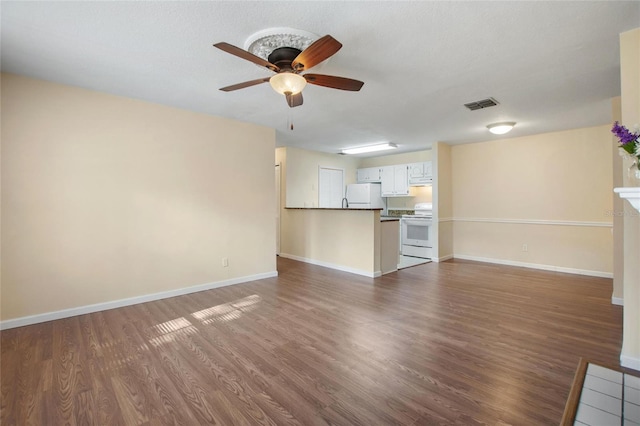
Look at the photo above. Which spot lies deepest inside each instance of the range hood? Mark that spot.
(420, 181)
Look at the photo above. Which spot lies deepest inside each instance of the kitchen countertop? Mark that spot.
(389, 218)
(328, 208)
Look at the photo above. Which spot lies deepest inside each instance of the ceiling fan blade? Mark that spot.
(229, 48)
(334, 82)
(245, 84)
(319, 50)
(294, 100)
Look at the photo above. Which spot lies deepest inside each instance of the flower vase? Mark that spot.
(633, 172)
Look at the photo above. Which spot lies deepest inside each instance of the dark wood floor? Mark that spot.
(443, 343)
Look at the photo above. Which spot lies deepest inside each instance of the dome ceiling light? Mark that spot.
(501, 128)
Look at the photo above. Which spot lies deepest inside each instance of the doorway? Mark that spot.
(278, 207)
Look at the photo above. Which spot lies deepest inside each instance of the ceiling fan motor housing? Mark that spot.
(282, 57)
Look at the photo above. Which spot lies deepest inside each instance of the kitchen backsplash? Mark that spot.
(399, 212)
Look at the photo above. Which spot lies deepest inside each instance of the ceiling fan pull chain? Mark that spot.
(289, 120)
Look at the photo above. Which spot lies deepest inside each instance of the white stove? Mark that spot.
(421, 211)
(416, 232)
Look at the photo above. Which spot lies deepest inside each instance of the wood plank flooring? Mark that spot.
(457, 342)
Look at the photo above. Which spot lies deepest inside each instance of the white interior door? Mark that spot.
(330, 187)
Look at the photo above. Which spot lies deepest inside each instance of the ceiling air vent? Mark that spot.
(485, 103)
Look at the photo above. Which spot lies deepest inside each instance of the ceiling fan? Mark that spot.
(288, 63)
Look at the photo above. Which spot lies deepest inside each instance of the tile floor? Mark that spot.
(407, 261)
(609, 398)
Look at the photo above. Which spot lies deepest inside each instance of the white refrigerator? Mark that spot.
(364, 196)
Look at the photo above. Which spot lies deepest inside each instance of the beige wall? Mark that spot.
(302, 174)
(630, 103)
(348, 240)
(618, 208)
(389, 246)
(281, 159)
(560, 181)
(443, 201)
(106, 198)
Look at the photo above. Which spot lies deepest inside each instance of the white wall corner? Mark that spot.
(630, 362)
(617, 301)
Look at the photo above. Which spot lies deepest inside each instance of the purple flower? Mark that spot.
(626, 139)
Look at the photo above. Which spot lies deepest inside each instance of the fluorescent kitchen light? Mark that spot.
(370, 148)
(501, 128)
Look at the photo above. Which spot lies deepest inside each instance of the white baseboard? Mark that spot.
(81, 310)
(343, 268)
(443, 258)
(553, 268)
(630, 362)
(617, 301)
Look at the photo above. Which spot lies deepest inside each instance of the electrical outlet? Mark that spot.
(225, 261)
(525, 247)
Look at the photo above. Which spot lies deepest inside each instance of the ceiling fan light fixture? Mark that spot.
(287, 82)
(369, 148)
(501, 128)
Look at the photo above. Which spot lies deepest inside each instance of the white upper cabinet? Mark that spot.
(395, 181)
(420, 174)
(368, 175)
(428, 169)
(388, 181)
(420, 170)
(416, 170)
(402, 180)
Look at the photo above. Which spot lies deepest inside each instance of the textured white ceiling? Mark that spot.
(552, 65)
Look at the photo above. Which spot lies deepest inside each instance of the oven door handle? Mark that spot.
(418, 222)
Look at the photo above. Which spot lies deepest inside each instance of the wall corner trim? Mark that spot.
(82, 310)
(442, 258)
(630, 362)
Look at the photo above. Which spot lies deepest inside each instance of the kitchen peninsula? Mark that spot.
(350, 240)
